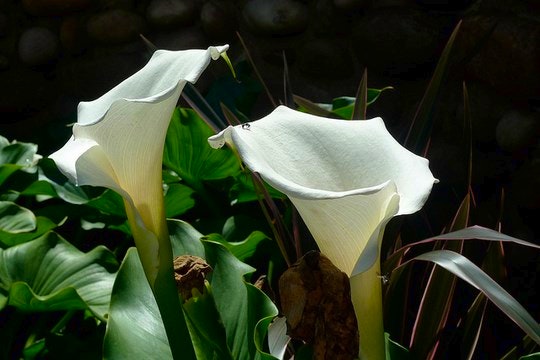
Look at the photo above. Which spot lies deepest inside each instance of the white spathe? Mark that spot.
(118, 142)
(346, 178)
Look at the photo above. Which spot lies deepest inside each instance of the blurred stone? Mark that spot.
(352, 4)
(396, 40)
(116, 4)
(392, 3)
(186, 38)
(165, 14)
(4, 25)
(276, 17)
(218, 19)
(526, 183)
(445, 4)
(38, 46)
(486, 108)
(325, 58)
(115, 27)
(54, 7)
(518, 130)
(4, 62)
(509, 58)
(73, 35)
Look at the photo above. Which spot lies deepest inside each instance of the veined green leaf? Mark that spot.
(17, 153)
(15, 219)
(43, 225)
(50, 274)
(187, 151)
(242, 249)
(178, 199)
(134, 329)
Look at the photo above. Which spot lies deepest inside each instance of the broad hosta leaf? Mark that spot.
(187, 151)
(16, 156)
(242, 249)
(15, 219)
(55, 184)
(50, 274)
(135, 329)
(466, 270)
(18, 153)
(178, 199)
(244, 190)
(43, 225)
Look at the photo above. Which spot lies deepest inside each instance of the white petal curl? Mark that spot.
(346, 178)
(118, 139)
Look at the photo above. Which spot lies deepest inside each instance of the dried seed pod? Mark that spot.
(316, 300)
(189, 273)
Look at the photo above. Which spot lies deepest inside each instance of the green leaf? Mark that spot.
(43, 226)
(228, 287)
(6, 170)
(438, 295)
(395, 351)
(421, 125)
(53, 183)
(206, 329)
(134, 329)
(535, 356)
(361, 101)
(470, 233)
(18, 153)
(242, 250)
(341, 107)
(49, 274)
(178, 199)
(187, 151)
(244, 190)
(466, 270)
(15, 219)
(470, 330)
(110, 203)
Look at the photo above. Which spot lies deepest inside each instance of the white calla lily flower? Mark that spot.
(118, 143)
(347, 179)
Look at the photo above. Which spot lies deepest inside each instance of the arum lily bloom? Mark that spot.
(118, 143)
(347, 179)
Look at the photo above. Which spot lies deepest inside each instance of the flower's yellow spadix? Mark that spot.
(347, 179)
(118, 143)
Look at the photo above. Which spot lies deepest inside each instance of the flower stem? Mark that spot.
(366, 294)
(172, 315)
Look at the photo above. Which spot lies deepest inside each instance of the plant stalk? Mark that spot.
(366, 295)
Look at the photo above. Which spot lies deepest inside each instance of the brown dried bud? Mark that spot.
(189, 273)
(316, 300)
